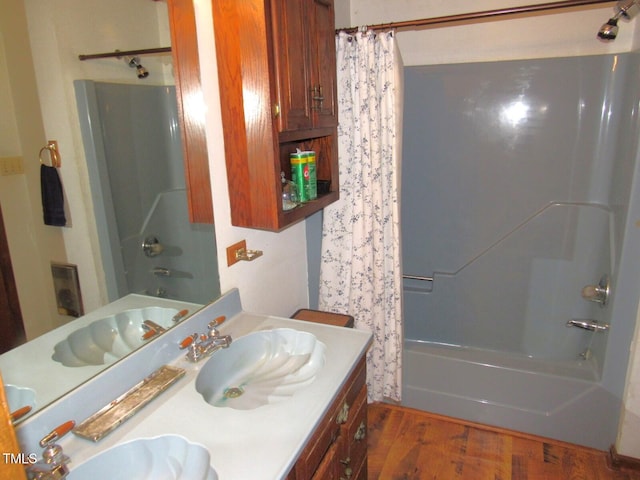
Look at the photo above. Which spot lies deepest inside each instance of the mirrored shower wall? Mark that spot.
(134, 158)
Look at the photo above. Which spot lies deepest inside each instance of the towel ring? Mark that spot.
(54, 156)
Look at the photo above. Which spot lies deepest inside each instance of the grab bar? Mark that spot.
(418, 277)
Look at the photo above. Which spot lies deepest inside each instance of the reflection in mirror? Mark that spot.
(60, 360)
(134, 157)
(122, 133)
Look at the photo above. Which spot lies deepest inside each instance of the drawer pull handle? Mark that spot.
(346, 461)
(361, 433)
(347, 474)
(317, 97)
(343, 415)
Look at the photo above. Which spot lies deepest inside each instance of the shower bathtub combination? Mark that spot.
(521, 270)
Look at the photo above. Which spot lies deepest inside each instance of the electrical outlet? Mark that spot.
(11, 166)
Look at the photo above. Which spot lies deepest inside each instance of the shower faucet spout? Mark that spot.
(161, 271)
(591, 325)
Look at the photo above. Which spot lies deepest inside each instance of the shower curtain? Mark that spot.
(360, 272)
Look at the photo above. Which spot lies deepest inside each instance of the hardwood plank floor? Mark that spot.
(410, 444)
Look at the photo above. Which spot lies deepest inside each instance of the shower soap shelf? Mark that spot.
(125, 406)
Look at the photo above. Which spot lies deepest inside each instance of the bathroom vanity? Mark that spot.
(217, 416)
(338, 446)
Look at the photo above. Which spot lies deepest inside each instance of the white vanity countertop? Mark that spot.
(30, 365)
(262, 443)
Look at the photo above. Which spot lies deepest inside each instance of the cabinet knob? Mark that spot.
(361, 433)
(343, 415)
(348, 471)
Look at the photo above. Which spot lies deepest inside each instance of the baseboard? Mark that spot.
(622, 462)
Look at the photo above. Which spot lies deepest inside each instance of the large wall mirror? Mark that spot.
(135, 174)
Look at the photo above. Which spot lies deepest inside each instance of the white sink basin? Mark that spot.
(168, 457)
(261, 368)
(106, 340)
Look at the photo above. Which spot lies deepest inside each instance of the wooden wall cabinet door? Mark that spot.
(323, 62)
(186, 68)
(271, 52)
(304, 60)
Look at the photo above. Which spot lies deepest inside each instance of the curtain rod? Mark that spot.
(487, 14)
(125, 53)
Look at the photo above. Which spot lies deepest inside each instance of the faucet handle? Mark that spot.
(598, 293)
(213, 331)
(56, 433)
(20, 412)
(217, 321)
(188, 341)
(180, 315)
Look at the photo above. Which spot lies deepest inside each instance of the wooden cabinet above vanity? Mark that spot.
(277, 75)
(305, 64)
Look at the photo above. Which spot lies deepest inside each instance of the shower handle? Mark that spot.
(598, 293)
(152, 247)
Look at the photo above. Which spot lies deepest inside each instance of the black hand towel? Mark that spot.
(52, 197)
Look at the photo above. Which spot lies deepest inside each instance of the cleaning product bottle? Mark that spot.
(312, 186)
(300, 174)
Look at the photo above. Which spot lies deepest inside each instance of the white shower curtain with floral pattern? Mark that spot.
(360, 271)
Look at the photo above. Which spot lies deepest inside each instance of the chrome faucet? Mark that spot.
(201, 346)
(586, 324)
(161, 271)
(53, 465)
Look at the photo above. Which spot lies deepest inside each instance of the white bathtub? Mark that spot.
(540, 397)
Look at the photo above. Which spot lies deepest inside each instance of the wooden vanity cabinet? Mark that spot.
(338, 447)
(277, 77)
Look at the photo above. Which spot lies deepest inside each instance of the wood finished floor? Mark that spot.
(410, 444)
